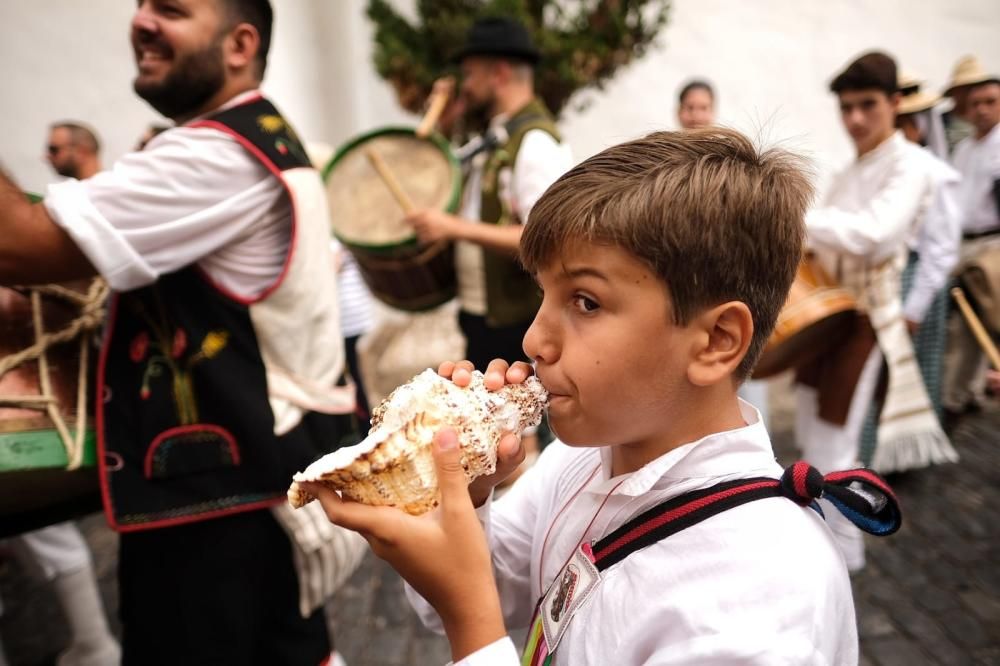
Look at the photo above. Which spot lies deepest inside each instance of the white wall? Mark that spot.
(71, 59)
(771, 61)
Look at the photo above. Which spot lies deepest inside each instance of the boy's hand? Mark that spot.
(442, 554)
(510, 453)
(993, 381)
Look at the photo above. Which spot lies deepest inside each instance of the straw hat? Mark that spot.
(917, 101)
(968, 72)
(908, 83)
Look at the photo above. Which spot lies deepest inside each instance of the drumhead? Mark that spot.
(363, 211)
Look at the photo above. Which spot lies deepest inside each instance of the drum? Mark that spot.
(46, 348)
(368, 219)
(816, 316)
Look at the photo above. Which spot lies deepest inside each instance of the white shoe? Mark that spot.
(92, 642)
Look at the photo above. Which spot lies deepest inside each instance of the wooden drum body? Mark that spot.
(817, 316)
(368, 220)
(36, 488)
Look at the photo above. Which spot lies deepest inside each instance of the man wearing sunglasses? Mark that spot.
(73, 150)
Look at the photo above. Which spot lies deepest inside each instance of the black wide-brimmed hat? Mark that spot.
(501, 37)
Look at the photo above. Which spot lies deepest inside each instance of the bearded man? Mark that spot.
(219, 365)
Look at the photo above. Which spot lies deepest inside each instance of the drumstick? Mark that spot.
(390, 181)
(977, 327)
(435, 107)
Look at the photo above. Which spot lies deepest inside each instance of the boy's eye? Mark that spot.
(584, 304)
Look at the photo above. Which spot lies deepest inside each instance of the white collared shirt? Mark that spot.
(539, 163)
(192, 196)
(978, 160)
(938, 235)
(873, 205)
(763, 583)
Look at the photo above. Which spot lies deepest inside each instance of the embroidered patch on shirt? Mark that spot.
(567, 593)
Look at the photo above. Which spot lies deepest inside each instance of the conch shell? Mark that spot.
(394, 466)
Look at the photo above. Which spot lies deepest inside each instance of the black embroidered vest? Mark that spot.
(186, 431)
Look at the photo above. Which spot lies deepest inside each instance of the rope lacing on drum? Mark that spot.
(83, 327)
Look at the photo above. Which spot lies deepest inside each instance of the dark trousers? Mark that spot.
(485, 343)
(218, 592)
(354, 367)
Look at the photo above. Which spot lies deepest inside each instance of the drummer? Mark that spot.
(502, 183)
(977, 158)
(195, 236)
(933, 246)
(860, 237)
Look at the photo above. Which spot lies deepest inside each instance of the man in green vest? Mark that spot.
(519, 156)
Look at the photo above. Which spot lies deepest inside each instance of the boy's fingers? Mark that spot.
(369, 521)
(495, 373)
(510, 454)
(459, 372)
(519, 372)
(462, 374)
(452, 482)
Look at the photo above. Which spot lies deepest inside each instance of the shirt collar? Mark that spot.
(499, 120)
(716, 455)
(894, 143)
(236, 100)
(991, 136)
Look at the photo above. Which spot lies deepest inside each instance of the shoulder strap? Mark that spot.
(861, 495)
(261, 128)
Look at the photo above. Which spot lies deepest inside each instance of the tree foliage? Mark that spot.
(583, 42)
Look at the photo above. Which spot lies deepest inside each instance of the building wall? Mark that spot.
(770, 60)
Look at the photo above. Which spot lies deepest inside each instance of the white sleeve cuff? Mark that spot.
(498, 653)
(106, 248)
(916, 306)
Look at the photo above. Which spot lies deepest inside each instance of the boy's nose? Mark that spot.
(540, 342)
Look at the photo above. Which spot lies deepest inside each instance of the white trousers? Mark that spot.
(829, 448)
(55, 550)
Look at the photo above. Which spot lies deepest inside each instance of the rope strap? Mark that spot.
(860, 494)
(81, 328)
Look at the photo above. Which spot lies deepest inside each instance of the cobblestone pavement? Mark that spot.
(929, 595)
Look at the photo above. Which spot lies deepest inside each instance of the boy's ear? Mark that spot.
(724, 334)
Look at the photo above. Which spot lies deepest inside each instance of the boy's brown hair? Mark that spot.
(871, 71)
(716, 219)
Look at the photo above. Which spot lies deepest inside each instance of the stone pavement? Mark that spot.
(930, 594)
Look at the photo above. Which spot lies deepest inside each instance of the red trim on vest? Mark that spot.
(234, 450)
(263, 159)
(199, 517)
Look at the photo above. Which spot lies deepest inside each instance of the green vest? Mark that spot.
(511, 295)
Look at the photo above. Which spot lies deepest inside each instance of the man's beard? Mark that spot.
(67, 170)
(478, 114)
(189, 85)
